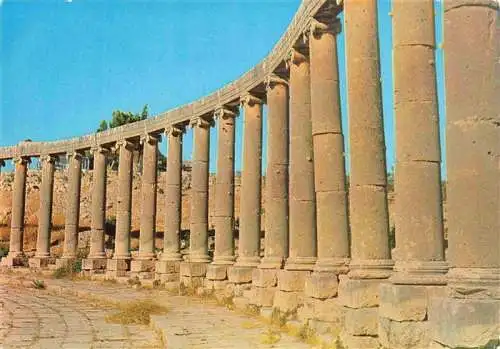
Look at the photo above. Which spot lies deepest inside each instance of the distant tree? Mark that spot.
(103, 126)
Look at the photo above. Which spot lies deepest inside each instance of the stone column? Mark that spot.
(370, 254)
(302, 253)
(329, 170)
(97, 255)
(17, 217)
(469, 316)
(72, 213)
(264, 278)
(224, 199)
(302, 224)
(167, 268)
(121, 258)
(45, 213)
(418, 206)
(144, 264)
(250, 200)
(193, 272)
(276, 207)
(2, 164)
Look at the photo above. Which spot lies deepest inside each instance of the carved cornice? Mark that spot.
(130, 146)
(296, 57)
(99, 149)
(228, 94)
(326, 25)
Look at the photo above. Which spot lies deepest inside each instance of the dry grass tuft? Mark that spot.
(137, 312)
(270, 336)
(38, 284)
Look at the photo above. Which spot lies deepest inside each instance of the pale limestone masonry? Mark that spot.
(326, 259)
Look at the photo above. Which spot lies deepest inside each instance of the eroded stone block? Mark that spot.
(292, 280)
(361, 342)
(191, 282)
(321, 285)
(215, 284)
(239, 275)
(64, 262)
(167, 267)
(164, 278)
(262, 296)
(288, 302)
(216, 272)
(39, 263)
(264, 277)
(466, 323)
(328, 310)
(361, 322)
(358, 293)
(403, 335)
(118, 264)
(94, 263)
(193, 269)
(142, 265)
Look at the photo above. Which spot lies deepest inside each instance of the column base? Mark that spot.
(198, 258)
(300, 263)
(247, 262)
(419, 273)
(40, 262)
(321, 285)
(176, 257)
(239, 274)
(217, 271)
(14, 259)
(332, 265)
(142, 268)
(264, 287)
(94, 264)
(224, 260)
(64, 262)
(117, 267)
(191, 276)
(370, 269)
(272, 263)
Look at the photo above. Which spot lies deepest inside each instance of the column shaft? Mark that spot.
(171, 238)
(329, 170)
(224, 188)
(124, 200)
(249, 235)
(45, 212)
(472, 118)
(72, 213)
(368, 182)
(418, 207)
(98, 223)
(18, 200)
(148, 193)
(276, 204)
(198, 250)
(302, 254)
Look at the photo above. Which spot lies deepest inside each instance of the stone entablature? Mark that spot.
(229, 94)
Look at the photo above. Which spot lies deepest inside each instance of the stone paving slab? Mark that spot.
(67, 323)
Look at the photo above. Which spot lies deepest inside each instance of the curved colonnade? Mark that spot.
(327, 258)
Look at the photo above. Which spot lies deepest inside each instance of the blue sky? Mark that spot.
(66, 66)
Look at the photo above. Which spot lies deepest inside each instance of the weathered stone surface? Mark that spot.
(94, 263)
(321, 285)
(264, 277)
(236, 290)
(118, 264)
(358, 293)
(263, 296)
(403, 335)
(464, 322)
(292, 280)
(39, 263)
(328, 310)
(191, 282)
(215, 284)
(239, 275)
(167, 267)
(63, 262)
(288, 302)
(142, 265)
(167, 278)
(193, 269)
(361, 322)
(406, 302)
(355, 342)
(216, 272)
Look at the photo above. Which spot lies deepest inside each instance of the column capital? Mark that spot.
(174, 130)
(296, 57)
(250, 99)
(199, 122)
(328, 25)
(22, 160)
(48, 158)
(224, 112)
(273, 80)
(99, 149)
(149, 138)
(74, 154)
(124, 143)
